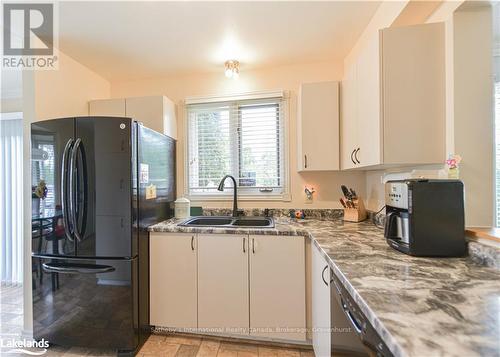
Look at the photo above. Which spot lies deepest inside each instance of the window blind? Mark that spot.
(497, 151)
(242, 138)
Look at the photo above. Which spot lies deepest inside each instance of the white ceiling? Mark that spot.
(130, 40)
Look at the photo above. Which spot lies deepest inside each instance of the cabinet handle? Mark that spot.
(244, 243)
(356, 155)
(253, 245)
(305, 161)
(352, 159)
(323, 275)
(192, 243)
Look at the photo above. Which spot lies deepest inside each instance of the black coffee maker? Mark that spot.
(425, 217)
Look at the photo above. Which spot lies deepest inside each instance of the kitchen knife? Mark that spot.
(353, 194)
(346, 192)
(343, 203)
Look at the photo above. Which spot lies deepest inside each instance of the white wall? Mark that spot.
(473, 111)
(288, 78)
(11, 89)
(66, 91)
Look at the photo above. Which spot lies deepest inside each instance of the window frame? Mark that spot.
(244, 193)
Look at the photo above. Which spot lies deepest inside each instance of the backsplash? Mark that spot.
(278, 212)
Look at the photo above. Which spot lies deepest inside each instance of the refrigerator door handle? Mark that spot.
(75, 268)
(81, 231)
(64, 196)
(72, 189)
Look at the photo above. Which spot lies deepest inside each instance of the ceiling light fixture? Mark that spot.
(232, 69)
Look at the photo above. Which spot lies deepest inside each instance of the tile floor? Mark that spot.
(11, 322)
(182, 346)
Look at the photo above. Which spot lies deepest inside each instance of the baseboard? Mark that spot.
(251, 340)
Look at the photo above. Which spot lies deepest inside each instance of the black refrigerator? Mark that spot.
(97, 184)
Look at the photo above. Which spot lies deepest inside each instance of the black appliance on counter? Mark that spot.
(425, 217)
(352, 333)
(107, 180)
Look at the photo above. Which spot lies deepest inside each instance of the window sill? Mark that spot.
(229, 198)
(491, 234)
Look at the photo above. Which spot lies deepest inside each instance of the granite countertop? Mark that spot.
(419, 306)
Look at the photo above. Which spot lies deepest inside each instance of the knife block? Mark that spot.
(357, 214)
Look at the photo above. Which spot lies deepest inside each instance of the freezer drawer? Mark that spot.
(86, 302)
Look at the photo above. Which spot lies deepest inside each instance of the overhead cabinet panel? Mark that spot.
(413, 69)
(108, 107)
(154, 112)
(318, 127)
(393, 100)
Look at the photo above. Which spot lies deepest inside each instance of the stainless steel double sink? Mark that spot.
(229, 222)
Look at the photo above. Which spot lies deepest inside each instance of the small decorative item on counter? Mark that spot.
(40, 191)
(297, 214)
(309, 194)
(453, 163)
(182, 208)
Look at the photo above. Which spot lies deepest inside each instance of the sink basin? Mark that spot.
(240, 222)
(253, 222)
(208, 221)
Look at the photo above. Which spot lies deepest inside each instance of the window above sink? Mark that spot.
(243, 136)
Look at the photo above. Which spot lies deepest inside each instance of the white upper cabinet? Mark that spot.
(108, 107)
(393, 100)
(318, 127)
(155, 112)
(349, 123)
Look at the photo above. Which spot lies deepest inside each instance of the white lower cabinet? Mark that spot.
(277, 287)
(229, 284)
(173, 280)
(223, 283)
(321, 315)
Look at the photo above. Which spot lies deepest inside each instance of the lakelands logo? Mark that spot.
(29, 35)
(29, 347)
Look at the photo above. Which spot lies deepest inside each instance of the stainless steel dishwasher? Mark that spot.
(352, 333)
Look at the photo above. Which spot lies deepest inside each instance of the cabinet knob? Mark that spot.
(244, 244)
(192, 243)
(352, 158)
(305, 161)
(356, 155)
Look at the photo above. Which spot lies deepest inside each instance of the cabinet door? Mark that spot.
(173, 283)
(223, 283)
(147, 110)
(349, 126)
(318, 129)
(320, 304)
(368, 150)
(413, 59)
(107, 107)
(277, 287)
